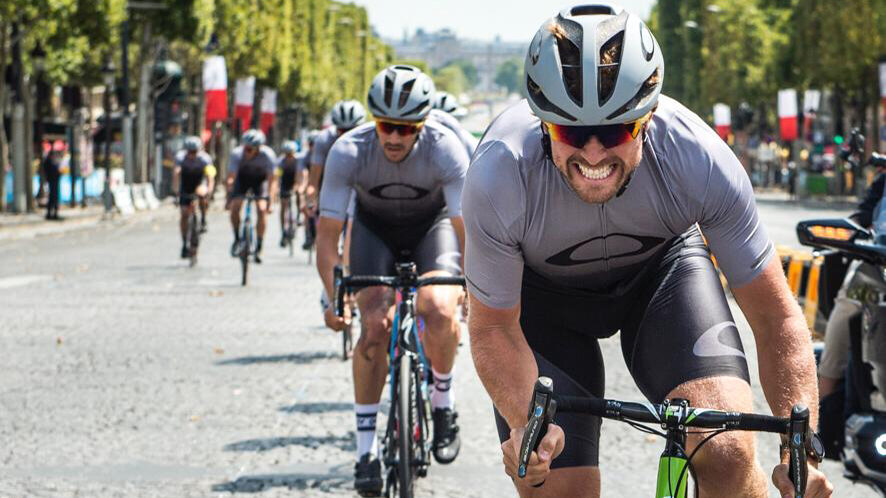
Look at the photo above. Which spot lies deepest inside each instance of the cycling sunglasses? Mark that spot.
(402, 129)
(611, 135)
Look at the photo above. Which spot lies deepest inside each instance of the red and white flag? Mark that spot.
(787, 114)
(722, 120)
(244, 96)
(811, 104)
(268, 109)
(215, 86)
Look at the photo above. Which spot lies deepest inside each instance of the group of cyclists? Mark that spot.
(590, 207)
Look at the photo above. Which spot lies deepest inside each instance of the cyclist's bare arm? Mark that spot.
(502, 358)
(316, 172)
(301, 183)
(176, 174)
(328, 233)
(783, 340)
(458, 224)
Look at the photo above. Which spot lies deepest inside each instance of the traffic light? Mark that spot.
(838, 139)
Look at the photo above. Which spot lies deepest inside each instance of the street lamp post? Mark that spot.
(108, 73)
(38, 57)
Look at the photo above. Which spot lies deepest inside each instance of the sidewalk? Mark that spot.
(30, 225)
(848, 202)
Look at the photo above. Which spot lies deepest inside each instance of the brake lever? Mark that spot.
(339, 298)
(798, 471)
(542, 408)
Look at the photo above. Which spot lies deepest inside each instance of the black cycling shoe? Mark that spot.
(186, 253)
(257, 258)
(283, 241)
(204, 227)
(367, 476)
(446, 441)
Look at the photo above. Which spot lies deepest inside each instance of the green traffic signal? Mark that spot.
(838, 139)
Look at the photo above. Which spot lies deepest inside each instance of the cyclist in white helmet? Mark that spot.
(584, 207)
(292, 173)
(194, 174)
(251, 171)
(407, 172)
(444, 107)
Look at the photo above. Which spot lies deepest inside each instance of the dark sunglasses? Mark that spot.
(611, 135)
(402, 129)
(249, 149)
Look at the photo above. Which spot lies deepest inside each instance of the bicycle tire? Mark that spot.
(423, 405)
(405, 418)
(244, 253)
(194, 238)
(347, 339)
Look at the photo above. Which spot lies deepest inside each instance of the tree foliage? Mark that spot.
(510, 75)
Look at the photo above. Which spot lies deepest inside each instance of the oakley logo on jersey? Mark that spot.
(398, 192)
(565, 257)
(708, 343)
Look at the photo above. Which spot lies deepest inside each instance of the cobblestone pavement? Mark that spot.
(126, 373)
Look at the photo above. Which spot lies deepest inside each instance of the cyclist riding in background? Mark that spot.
(584, 209)
(346, 115)
(408, 173)
(293, 172)
(194, 174)
(444, 107)
(251, 171)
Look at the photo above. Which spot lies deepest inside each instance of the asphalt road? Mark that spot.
(126, 373)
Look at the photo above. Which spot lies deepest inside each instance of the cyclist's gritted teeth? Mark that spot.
(597, 172)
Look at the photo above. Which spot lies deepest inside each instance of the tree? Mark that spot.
(670, 38)
(468, 69)
(510, 75)
(450, 79)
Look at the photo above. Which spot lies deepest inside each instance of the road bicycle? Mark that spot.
(192, 234)
(406, 445)
(675, 417)
(347, 334)
(246, 245)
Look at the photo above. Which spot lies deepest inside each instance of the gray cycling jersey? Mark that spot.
(519, 210)
(449, 121)
(298, 160)
(405, 193)
(201, 160)
(265, 159)
(322, 145)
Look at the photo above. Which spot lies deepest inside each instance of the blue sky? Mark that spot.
(514, 20)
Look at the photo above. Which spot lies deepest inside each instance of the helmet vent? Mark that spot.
(607, 72)
(592, 10)
(376, 109)
(568, 35)
(404, 68)
(404, 93)
(390, 77)
(542, 102)
(646, 90)
(418, 108)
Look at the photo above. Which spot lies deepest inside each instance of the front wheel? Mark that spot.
(193, 238)
(246, 242)
(405, 416)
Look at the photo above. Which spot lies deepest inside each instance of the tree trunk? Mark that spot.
(4, 144)
(144, 104)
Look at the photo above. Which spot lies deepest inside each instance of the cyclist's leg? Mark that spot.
(686, 345)
(438, 254)
(237, 194)
(186, 206)
(578, 372)
(370, 365)
(203, 192)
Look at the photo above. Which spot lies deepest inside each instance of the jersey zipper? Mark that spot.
(603, 235)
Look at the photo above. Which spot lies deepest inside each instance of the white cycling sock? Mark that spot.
(442, 395)
(366, 440)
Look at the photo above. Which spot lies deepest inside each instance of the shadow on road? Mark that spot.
(297, 358)
(317, 407)
(345, 443)
(259, 483)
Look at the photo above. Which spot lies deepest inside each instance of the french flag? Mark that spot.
(215, 86)
(268, 109)
(787, 114)
(722, 120)
(244, 96)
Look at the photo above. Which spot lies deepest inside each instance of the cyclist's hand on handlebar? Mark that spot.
(333, 321)
(540, 461)
(817, 485)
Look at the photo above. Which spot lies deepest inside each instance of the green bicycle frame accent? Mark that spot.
(670, 468)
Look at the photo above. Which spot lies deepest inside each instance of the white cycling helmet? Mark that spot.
(401, 93)
(568, 84)
(289, 147)
(254, 138)
(193, 143)
(347, 114)
(445, 102)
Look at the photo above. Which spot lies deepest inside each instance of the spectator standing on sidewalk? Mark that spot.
(51, 166)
